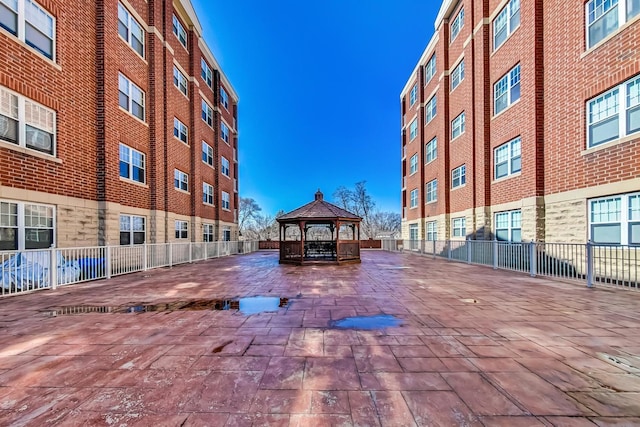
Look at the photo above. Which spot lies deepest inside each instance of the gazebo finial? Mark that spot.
(319, 195)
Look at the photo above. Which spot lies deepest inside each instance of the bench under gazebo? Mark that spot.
(319, 232)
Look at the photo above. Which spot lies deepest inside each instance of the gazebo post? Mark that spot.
(301, 225)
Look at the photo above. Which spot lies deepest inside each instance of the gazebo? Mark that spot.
(319, 232)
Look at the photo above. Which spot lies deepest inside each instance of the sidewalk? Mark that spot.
(476, 347)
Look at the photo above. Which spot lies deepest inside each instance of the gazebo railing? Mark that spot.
(348, 250)
(319, 249)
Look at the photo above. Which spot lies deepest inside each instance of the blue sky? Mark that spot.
(319, 85)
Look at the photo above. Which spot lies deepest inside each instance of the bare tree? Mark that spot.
(387, 223)
(247, 210)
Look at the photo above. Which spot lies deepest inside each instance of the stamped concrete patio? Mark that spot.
(476, 347)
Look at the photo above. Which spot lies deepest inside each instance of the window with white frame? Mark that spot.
(207, 113)
(225, 201)
(414, 198)
(413, 130)
(182, 230)
(459, 176)
(207, 232)
(130, 30)
(457, 24)
(506, 23)
(26, 123)
(414, 164)
(224, 166)
(431, 150)
(207, 153)
(179, 80)
(432, 231)
(507, 158)
(26, 226)
(413, 96)
(432, 191)
(226, 234)
(132, 164)
(206, 73)
(132, 230)
(457, 126)
(31, 23)
(224, 98)
(413, 232)
(224, 132)
(615, 219)
(430, 69)
(431, 109)
(180, 180)
(606, 16)
(457, 75)
(459, 227)
(614, 114)
(207, 193)
(131, 97)
(179, 31)
(506, 91)
(509, 226)
(180, 131)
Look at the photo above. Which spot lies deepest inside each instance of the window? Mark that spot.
(509, 226)
(207, 193)
(414, 198)
(224, 98)
(614, 114)
(606, 16)
(182, 230)
(207, 113)
(457, 75)
(615, 219)
(506, 91)
(180, 131)
(457, 126)
(225, 200)
(413, 232)
(179, 80)
(207, 232)
(413, 129)
(26, 123)
(459, 226)
(507, 158)
(431, 150)
(207, 153)
(225, 166)
(432, 191)
(506, 23)
(130, 97)
(430, 110)
(130, 30)
(414, 164)
(432, 231)
(413, 97)
(132, 230)
(26, 226)
(29, 22)
(179, 31)
(131, 164)
(206, 73)
(224, 132)
(457, 24)
(180, 180)
(459, 176)
(226, 234)
(430, 69)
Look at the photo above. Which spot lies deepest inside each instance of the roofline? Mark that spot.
(326, 218)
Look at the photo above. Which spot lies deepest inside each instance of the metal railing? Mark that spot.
(611, 265)
(25, 271)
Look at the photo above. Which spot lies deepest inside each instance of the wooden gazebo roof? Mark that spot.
(319, 209)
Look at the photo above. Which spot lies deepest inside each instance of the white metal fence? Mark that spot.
(23, 271)
(611, 265)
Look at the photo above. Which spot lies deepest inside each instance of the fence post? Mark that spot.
(589, 250)
(170, 255)
(532, 258)
(190, 252)
(53, 268)
(449, 249)
(145, 267)
(422, 246)
(108, 263)
(206, 249)
(495, 254)
(468, 244)
(434, 249)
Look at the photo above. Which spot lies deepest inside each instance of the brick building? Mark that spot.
(117, 126)
(521, 124)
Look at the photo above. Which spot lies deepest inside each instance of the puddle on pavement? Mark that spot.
(379, 321)
(470, 300)
(249, 305)
(629, 363)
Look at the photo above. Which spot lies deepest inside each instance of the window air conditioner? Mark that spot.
(39, 139)
(8, 129)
